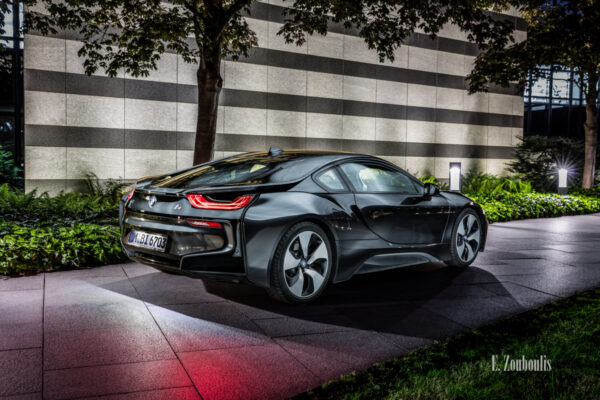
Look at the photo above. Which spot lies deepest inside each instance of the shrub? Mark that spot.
(476, 183)
(9, 173)
(577, 190)
(31, 209)
(45, 248)
(71, 230)
(434, 180)
(110, 189)
(537, 159)
(512, 206)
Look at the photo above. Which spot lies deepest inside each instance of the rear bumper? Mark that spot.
(194, 251)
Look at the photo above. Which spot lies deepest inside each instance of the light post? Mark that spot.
(562, 180)
(455, 176)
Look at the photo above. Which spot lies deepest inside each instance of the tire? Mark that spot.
(463, 253)
(295, 279)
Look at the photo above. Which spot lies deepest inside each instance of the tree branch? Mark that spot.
(230, 13)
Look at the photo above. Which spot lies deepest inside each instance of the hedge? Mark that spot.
(44, 248)
(512, 206)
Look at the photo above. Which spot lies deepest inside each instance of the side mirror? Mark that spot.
(431, 189)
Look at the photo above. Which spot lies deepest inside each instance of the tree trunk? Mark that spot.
(591, 142)
(209, 89)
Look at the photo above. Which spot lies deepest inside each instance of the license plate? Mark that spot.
(147, 240)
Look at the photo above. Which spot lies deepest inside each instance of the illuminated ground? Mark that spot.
(137, 333)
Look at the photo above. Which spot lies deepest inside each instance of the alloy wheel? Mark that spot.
(468, 237)
(306, 263)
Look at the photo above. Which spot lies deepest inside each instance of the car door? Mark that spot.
(394, 205)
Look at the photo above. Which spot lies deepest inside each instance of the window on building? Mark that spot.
(11, 76)
(554, 104)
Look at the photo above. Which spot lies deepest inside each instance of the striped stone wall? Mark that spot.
(331, 93)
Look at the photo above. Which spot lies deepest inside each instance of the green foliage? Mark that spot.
(31, 209)
(512, 197)
(110, 189)
(434, 180)
(562, 33)
(385, 25)
(476, 183)
(567, 332)
(44, 248)
(594, 192)
(71, 230)
(512, 206)
(144, 30)
(537, 159)
(9, 172)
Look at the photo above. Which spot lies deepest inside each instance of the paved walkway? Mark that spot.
(135, 333)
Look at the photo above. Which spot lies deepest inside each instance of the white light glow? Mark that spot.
(562, 177)
(455, 178)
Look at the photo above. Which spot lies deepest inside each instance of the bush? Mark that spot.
(46, 248)
(71, 230)
(434, 180)
(10, 174)
(512, 206)
(485, 185)
(31, 209)
(577, 190)
(110, 190)
(537, 159)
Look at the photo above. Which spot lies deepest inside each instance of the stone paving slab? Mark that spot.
(129, 332)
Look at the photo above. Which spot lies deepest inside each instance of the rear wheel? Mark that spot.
(466, 239)
(301, 265)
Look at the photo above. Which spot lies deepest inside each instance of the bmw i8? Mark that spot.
(293, 221)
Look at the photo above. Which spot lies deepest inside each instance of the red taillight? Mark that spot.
(199, 201)
(207, 224)
(130, 195)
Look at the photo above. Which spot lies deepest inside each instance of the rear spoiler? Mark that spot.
(261, 188)
(233, 189)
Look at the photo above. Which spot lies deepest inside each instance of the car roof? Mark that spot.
(277, 167)
(286, 153)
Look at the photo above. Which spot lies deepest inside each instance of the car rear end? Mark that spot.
(191, 221)
(181, 231)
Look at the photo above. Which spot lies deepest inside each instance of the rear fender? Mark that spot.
(267, 220)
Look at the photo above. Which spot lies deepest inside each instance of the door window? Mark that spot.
(330, 180)
(375, 178)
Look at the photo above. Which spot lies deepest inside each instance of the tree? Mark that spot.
(560, 33)
(133, 34)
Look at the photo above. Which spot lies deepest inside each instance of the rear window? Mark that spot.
(247, 170)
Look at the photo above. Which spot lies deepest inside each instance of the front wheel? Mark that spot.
(301, 265)
(466, 239)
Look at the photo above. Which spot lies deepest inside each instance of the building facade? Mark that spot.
(555, 104)
(331, 93)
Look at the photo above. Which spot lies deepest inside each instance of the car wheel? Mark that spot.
(466, 239)
(302, 263)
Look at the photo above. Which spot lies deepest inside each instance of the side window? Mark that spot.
(374, 178)
(331, 180)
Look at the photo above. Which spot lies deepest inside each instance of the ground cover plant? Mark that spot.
(71, 230)
(511, 198)
(567, 332)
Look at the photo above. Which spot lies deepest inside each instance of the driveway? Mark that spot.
(130, 332)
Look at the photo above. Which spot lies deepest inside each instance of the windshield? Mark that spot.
(248, 169)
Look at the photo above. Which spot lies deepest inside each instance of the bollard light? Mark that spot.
(562, 180)
(455, 176)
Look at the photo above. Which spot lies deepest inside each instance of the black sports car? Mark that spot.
(292, 221)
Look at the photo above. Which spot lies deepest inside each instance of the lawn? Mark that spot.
(566, 332)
